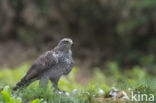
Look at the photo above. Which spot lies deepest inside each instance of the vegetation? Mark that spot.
(137, 79)
(122, 31)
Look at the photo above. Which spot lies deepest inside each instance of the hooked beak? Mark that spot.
(72, 43)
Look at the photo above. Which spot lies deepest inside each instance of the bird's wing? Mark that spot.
(42, 64)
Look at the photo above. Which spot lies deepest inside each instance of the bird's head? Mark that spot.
(65, 43)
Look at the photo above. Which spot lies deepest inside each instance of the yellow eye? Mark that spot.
(66, 42)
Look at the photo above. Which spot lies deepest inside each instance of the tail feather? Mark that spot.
(22, 83)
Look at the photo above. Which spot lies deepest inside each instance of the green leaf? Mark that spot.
(35, 101)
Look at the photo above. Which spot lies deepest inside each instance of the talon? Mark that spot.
(63, 91)
(59, 91)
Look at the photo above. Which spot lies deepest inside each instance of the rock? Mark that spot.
(129, 89)
(113, 94)
(74, 91)
(67, 94)
(116, 94)
(115, 89)
(101, 92)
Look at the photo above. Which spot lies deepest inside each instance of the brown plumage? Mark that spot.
(50, 66)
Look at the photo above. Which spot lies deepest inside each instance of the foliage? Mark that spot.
(7, 98)
(136, 79)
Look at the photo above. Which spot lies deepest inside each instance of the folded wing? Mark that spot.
(42, 64)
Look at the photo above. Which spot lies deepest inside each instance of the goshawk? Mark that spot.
(51, 65)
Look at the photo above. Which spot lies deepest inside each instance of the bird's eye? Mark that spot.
(66, 42)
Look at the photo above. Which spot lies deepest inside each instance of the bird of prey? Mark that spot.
(51, 65)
